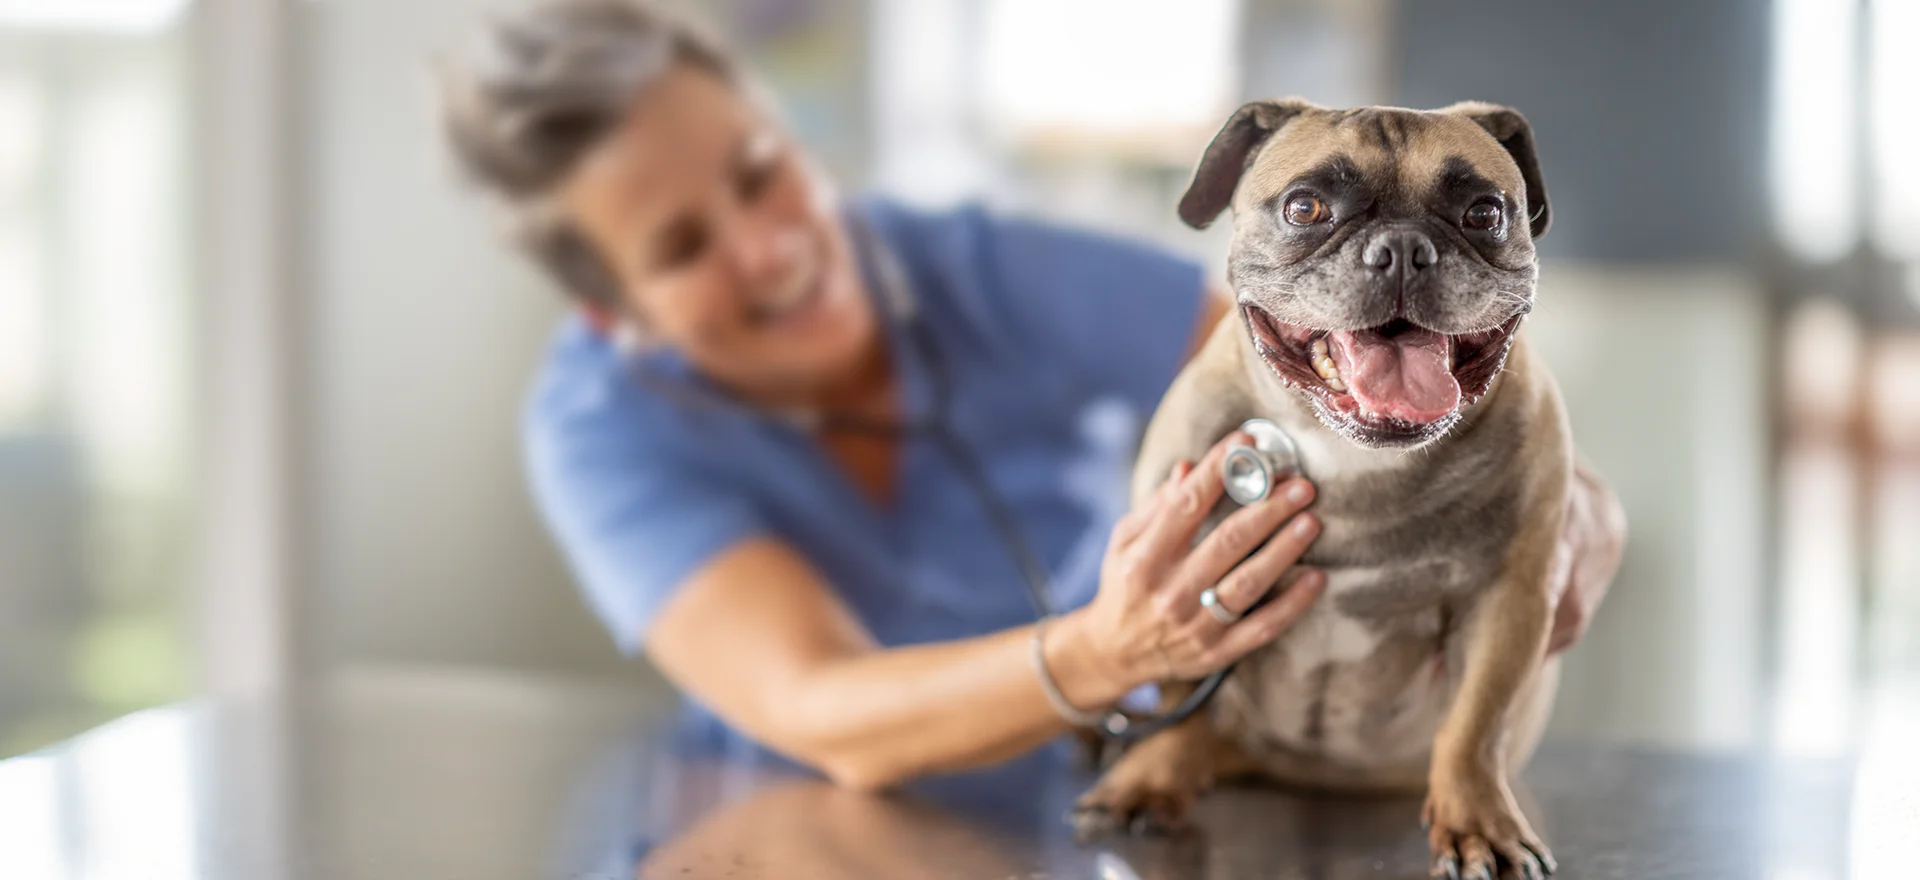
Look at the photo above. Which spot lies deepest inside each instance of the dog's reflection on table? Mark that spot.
(806, 828)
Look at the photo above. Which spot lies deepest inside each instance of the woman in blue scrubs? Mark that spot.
(700, 438)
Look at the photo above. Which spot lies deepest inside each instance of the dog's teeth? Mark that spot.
(1322, 361)
(1323, 364)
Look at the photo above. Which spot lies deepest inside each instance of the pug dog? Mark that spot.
(1383, 262)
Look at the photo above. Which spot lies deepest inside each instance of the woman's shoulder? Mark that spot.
(576, 374)
(947, 229)
(996, 246)
(1006, 260)
(583, 398)
(976, 220)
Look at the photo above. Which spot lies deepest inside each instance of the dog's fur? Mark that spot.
(1422, 665)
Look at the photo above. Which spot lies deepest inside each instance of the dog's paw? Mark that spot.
(1477, 833)
(1151, 790)
(1139, 813)
(1141, 810)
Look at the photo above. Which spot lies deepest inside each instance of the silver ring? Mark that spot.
(1210, 600)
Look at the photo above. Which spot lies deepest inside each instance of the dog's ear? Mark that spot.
(1512, 131)
(1226, 158)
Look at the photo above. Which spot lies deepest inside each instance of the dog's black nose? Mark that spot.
(1404, 251)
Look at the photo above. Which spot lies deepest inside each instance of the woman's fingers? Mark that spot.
(1240, 534)
(1184, 503)
(1250, 580)
(1270, 620)
(1135, 522)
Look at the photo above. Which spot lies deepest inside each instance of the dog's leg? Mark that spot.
(1473, 822)
(1155, 783)
(1091, 749)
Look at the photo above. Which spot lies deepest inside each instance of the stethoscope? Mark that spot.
(1249, 472)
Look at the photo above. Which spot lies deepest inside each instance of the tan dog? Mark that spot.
(1382, 260)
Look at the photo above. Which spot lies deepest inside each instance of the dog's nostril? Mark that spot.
(1379, 255)
(1424, 254)
(1393, 250)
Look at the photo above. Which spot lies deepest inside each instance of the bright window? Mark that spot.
(1816, 196)
(1109, 66)
(95, 365)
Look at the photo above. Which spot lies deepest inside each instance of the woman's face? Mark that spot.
(725, 240)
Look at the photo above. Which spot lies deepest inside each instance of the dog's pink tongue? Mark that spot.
(1408, 377)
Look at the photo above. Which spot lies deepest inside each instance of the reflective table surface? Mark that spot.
(438, 775)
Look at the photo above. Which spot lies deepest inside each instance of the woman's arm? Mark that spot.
(1594, 540)
(761, 638)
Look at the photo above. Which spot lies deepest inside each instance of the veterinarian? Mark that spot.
(762, 441)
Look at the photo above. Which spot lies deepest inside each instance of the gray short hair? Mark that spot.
(538, 90)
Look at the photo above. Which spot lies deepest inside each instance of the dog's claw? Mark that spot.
(1081, 825)
(1090, 822)
(1147, 817)
(1524, 859)
(1542, 856)
(1480, 842)
(1476, 857)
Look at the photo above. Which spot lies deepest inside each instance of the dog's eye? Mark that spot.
(1306, 210)
(1484, 215)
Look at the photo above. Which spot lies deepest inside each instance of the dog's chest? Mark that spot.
(1407, 533)
(1408, 542)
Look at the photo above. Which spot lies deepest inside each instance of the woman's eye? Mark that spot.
(681, 246)
(1483, 215)
(758, 175)
(1307, 210)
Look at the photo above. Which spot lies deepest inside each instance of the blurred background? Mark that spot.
(261, 352)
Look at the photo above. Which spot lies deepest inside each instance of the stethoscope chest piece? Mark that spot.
(1250, 472)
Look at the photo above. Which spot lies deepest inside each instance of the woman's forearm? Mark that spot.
(879, 717)
(759, 637)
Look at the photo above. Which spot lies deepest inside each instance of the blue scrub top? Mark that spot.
(1057, 344)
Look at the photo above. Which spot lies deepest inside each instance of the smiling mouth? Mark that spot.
(1396, 379)
(801, 289)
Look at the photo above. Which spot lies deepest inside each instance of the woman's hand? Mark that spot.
(1147, 623)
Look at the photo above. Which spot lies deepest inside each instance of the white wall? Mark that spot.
(1663, 372)
(424, 332)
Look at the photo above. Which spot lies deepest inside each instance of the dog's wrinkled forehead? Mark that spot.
(1266, 145)
(1393, 149)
